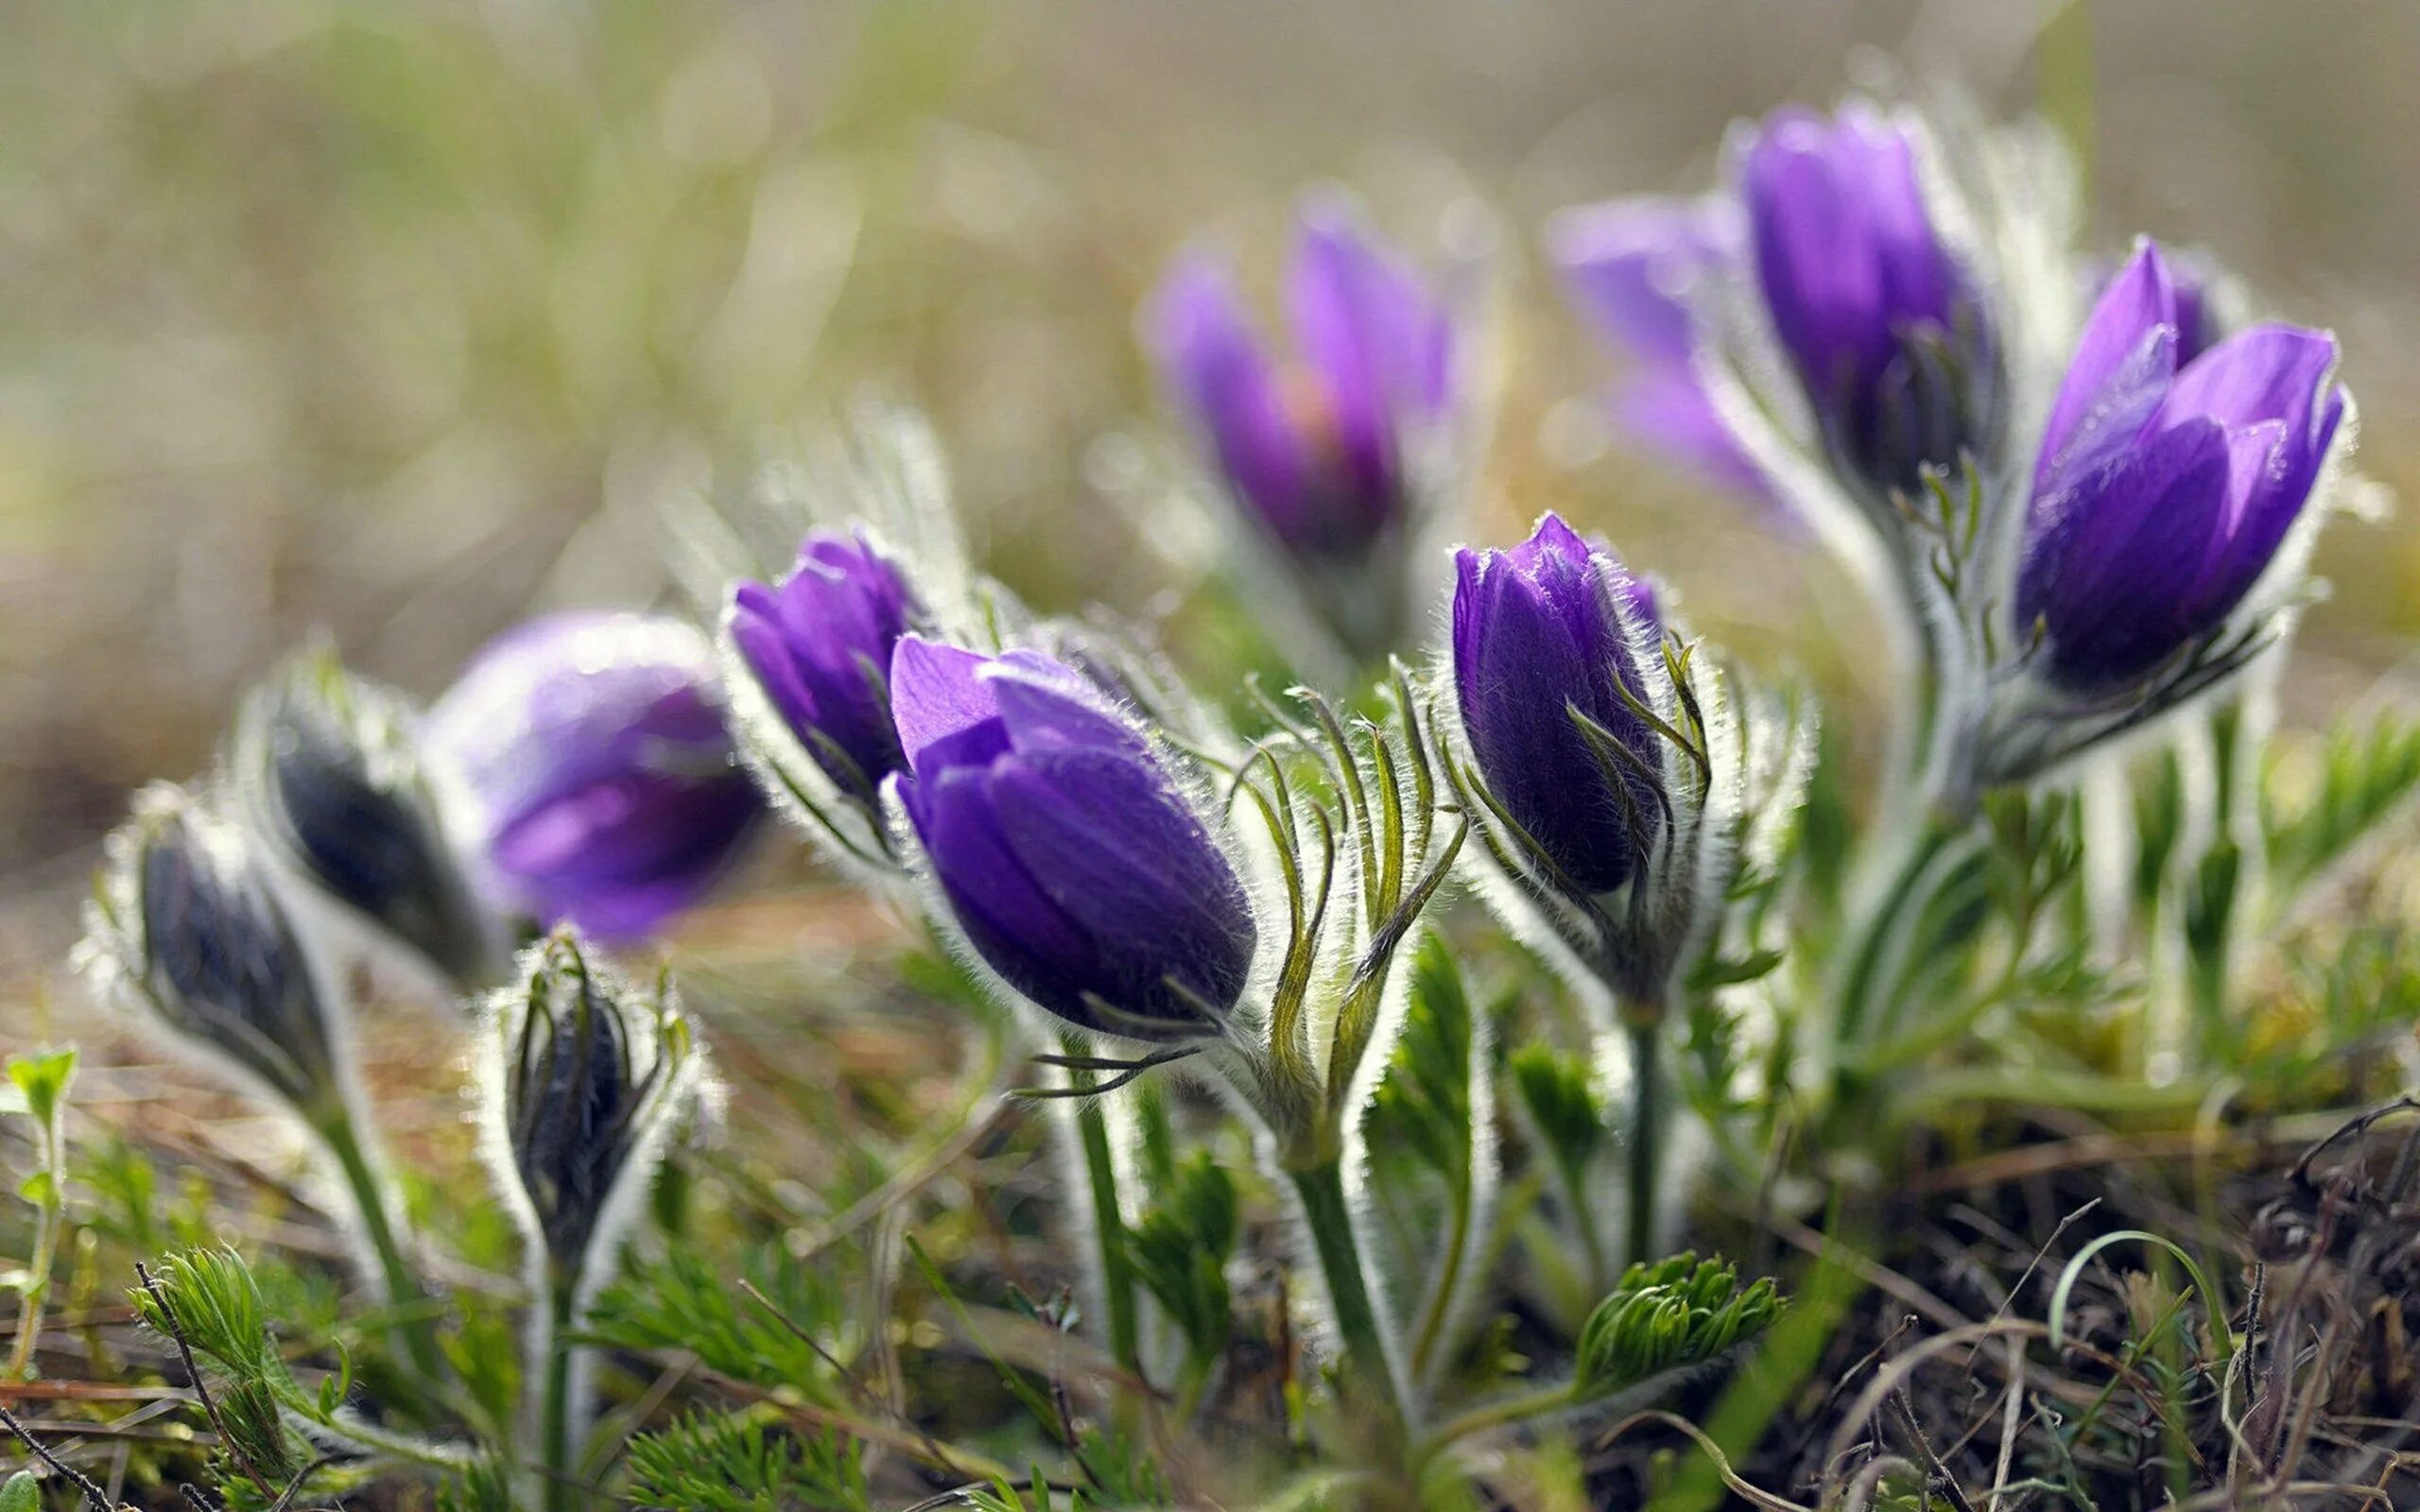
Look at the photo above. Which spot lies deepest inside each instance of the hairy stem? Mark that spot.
(1449, 1281)
(1117, 1268)
(557, 1412)
(1646, 1143)
(1519, 1407)
(1366, 1373)
(46, 1225)
(1877, 936)
(415, 1330)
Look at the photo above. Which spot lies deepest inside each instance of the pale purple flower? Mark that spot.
(1636, 268)
(593, 746)
(1311, 440)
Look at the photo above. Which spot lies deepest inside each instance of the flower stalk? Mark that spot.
(415, 1330)
(1368, 1382)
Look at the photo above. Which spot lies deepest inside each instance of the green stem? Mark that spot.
(1874, 952)
(46, 1225)
(1366, 1377)
(559, 1489)
(1592, 1239)
(1519, 1407)
(1109, 1227)
(1646, 1137)
(415, 1331)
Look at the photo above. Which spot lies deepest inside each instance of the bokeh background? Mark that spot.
(405, 319)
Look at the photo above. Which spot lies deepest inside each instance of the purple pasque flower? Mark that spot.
(1312, 442)
(593, 746)
(1548, 645)
(2165, 487)
(1871, 308)
(1073, 863)
(819, 644)
(1634, 268)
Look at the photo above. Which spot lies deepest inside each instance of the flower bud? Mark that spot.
(588, 1076)
(1606, 767)
(185, 928)
(817, 647)
(1547, 678)
(1072, 864)
(331, 775)
(1871, 308)
(605, 784)
(2166, 486)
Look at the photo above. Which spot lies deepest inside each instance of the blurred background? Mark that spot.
(403, 319)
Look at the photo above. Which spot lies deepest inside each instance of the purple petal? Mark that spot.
(1669, 410)
(1633, 265)
(1536, 636)
(2121, 365)
(936, 693)
(2115, 582)
(594, 748)
(1852, 269)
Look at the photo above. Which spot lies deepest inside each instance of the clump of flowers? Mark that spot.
(2079, 524)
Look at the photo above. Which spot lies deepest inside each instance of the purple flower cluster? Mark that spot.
(1854, 329)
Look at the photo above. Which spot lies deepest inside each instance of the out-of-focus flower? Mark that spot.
(329, 771)
(1871, 308)
(1547, 679)
(185, 927)
(1636, 267)
(2165, 487)
(588, 1073)
(1330, 448)
(1074, 866)
(817, 647)
(594, 748)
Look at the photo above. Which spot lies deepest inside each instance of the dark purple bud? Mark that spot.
(1074, 863)
(2165, 488)
(819, 642)
(1869, 306)
(330, 771)
(1545, 632)
(594, 748)
(1311, 443)
(1635, 266)
(186, 924)
(591, 1069)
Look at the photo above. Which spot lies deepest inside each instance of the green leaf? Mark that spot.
(2319, 804)
(1180, 1251)
(21, 1493)
(1559, 1095)
(41, 1078)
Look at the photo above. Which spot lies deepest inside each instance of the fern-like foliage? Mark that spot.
(686, 1301)
(735, 1463)
(1668, 1315)
(2363, 776)
(1180, 1249)
(208, 1299)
